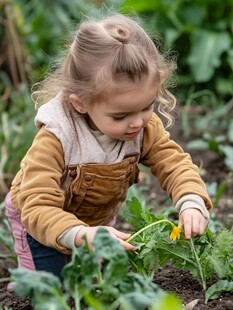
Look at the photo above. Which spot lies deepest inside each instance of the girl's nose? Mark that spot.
(136, 122)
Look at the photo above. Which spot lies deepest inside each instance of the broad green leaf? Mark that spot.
(132, 213)
(224, 241)
(85, 265)
(140, 291)
(113, 4)
(215, 290)
(230, 57)
(43, 288)
(141, 6)
(168, 302)
(212, 188)
(7, 239)
(81, 270)
(219, 192)
(115, 259)
(139, 300)
(220, 267)
(207, 48)
(191, 15)
(228, 152)
(198, 144)
(224, 85)
(216, 258)
(40, 281)
(181, 257)
(137, 215)
(51, 304)
(171, 35)
(214, 145)
(230, 131)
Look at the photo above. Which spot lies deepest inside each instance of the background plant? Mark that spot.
(202, 37)
(6, 238)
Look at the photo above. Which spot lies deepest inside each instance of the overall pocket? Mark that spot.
(100, 189)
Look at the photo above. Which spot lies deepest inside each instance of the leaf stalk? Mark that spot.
(148, 226)
(198, 264)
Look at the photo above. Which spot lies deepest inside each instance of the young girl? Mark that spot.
(96, 123)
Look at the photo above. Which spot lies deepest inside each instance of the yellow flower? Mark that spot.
(175, 233)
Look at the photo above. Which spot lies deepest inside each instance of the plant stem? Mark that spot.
(76, 298)
(146, 227)
(99, 277)
(198, 264)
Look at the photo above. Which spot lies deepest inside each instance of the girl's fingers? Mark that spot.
(193, 222)
(90, 233)
(198, 226)
(195, 226)
(119, 234)
(127, 246)
(202, 227)
(188, 228)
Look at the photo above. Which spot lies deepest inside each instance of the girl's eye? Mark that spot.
(149, 107)
(118, 118)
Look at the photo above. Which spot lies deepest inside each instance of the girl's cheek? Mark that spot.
(114, 130)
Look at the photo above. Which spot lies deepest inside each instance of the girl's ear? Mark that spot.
(78, 104)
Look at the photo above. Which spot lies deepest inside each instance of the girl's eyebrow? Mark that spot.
(125, 113)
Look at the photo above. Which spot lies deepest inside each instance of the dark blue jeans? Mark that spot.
(47, 259)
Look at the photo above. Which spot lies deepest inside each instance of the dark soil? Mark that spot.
(181, 283)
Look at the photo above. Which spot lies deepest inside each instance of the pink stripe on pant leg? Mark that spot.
(21, 246)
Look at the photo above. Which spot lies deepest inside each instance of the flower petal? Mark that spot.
(175, 234)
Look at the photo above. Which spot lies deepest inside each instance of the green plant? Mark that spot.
(36, 19)
(205, 257)
(23, 31)
(201, 36)
(98, 280)
(6, 237)
(212, 123)
(217, 144)
(16, 133)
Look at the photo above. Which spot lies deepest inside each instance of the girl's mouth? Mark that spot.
(133, 134)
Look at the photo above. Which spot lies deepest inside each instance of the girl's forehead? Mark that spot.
(135, 97)
(126, 86)
(124, 89)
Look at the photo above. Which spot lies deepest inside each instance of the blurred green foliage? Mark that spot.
(34, 32)
(201, 34)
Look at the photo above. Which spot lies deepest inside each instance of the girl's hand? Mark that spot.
(193, 221)
(90, 233)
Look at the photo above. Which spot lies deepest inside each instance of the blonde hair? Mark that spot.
(102, 55)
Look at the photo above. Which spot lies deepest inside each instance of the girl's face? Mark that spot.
(122, 116)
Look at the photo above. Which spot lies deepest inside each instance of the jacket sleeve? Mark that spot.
(176, 173)
(40, 198)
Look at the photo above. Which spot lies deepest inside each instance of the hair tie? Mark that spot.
(120, 33)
